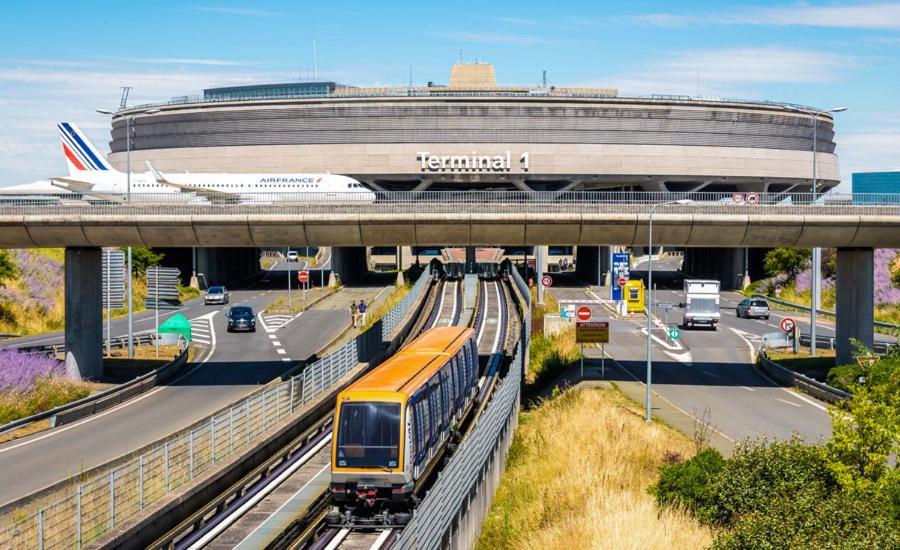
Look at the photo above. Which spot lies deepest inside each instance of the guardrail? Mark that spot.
(93, 404)
(452, 512)
(450, 202)
(117, 342)
(802, 307)
(806, 384)
(110, 494)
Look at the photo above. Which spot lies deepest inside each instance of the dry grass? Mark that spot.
(381, 309)
(577, 477)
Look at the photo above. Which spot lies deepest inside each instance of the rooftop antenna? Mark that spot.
(545, 78)
(124, 101)
(315, 63)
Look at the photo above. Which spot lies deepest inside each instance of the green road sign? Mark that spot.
(674, 333)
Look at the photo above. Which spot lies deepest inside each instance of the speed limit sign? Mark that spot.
(547, 280)
(787, 325)
(737, 198)
(752, 198)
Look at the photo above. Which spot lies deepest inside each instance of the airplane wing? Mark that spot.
(200, 191)
(84, 188)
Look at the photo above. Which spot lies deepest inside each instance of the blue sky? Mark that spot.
(60, 61)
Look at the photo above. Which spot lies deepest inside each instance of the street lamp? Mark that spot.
(128, 121)
(650, 295)
(815, 289)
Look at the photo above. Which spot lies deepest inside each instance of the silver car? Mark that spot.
(216, 295)
(753, 308)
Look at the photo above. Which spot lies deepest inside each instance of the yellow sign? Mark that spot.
(633, 294)
(591, 332)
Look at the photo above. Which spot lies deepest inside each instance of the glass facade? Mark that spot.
(876, 182)
(264, 91)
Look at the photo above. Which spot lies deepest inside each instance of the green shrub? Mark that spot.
(690, 484)
(761, 472)
(789, 261)
(844, 377)
(805, 520)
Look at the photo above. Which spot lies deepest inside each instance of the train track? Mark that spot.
(272, 497)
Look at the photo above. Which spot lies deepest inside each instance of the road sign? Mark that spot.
(162, 288)
(584, 313)
(674, 334)
(737, 198)
(113, 279)
(788, 324)
(622, 282)
(621, 267)
(303, 276)
(567, 311)
(547, 280)
(591, 332)
(752, 199)
(664, 305)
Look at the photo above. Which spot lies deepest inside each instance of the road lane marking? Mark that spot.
(281, 351)
(788, 402)
(746, 388)
(276, 343)
(286, 359)
(714, 375)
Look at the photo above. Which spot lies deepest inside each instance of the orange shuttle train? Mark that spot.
(391, 426)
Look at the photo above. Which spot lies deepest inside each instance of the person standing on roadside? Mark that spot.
(362, 311)
(354, 315)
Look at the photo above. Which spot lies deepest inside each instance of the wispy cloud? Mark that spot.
(884, 15)
(491, 38)
(252, 12)
(730, 71)
(868, 151)
(184, 61)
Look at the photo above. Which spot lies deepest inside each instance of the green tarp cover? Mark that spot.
(177, 324)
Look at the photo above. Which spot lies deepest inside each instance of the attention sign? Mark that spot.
(592, 332)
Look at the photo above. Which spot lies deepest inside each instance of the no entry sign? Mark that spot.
(303, 276)
(787, 324)
(583, 313)
(622, 282)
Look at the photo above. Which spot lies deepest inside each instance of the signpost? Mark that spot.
(547, 281)
(621, 268)
(584, 313)
(113, 283)
(674, 334)
(665, 306)
(162, 292)
(622, 282)
(790, 327)
(303, 277)
(567, 311)
(592, 332)
(752, 199)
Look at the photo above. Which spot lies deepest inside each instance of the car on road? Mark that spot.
(216, 295)
(293, 256)
(241, 318)
(749, 308)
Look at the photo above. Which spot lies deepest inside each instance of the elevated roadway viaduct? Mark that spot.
(854, 225)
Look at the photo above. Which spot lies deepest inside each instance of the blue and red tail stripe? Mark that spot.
(78, 150)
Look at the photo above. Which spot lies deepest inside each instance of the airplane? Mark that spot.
(91, 175)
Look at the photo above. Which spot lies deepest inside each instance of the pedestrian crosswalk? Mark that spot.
(201, 330)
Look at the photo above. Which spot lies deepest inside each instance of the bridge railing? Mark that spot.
(98, 500)
(447, 202)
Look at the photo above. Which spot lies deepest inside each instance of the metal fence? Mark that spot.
(114, 494)
(458, 501)
(449, 202)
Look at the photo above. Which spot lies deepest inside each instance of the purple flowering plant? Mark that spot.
(19, 371)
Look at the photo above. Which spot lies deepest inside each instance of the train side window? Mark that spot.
(420, 428)
(448, 398)
(432, 415)
(451, 373)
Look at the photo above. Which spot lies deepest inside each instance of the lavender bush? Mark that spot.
(20, 371)
(885, 291)
(41, 281)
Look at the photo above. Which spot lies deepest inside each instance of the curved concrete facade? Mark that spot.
(544, 142)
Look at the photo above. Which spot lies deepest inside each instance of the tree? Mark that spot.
(7, 266)
(789, 261)
(143, 257)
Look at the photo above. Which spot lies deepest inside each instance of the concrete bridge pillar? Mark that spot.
(855, 300)
(84, 319)
(349, 262)
(592, 264)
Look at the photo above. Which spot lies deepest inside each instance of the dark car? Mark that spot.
(241, 318)
(753, 308)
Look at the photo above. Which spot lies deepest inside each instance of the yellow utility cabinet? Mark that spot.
(634, 295)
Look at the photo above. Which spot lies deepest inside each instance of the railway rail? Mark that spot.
(269, 499)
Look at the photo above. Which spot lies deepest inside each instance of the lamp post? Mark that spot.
(128, 120)
(815, 286)
(650, 297)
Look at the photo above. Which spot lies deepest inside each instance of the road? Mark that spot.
(708, 375)
(235, 365)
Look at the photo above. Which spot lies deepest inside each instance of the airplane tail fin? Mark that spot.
(80, 153)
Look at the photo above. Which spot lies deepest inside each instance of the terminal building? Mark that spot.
(876, 182)
(473, 134)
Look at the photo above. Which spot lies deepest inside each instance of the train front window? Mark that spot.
(369, 435)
